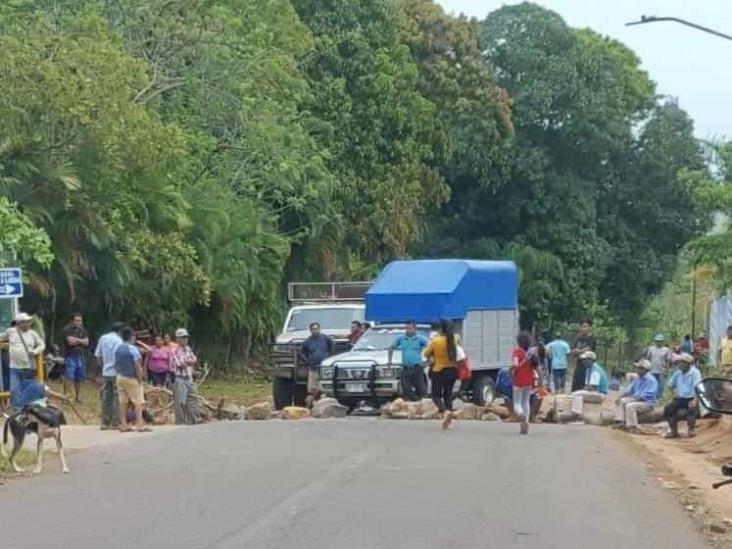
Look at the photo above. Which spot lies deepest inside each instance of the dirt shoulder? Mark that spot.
(688, 468)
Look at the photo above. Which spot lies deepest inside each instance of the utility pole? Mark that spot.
(653, 19)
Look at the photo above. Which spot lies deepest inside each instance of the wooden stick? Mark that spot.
(67, 400)
(205, 374)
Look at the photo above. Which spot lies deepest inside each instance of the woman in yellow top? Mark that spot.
(442, 353)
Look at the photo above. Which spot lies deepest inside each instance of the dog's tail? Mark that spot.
(4, 450)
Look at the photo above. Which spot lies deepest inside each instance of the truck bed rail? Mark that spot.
(315, 292)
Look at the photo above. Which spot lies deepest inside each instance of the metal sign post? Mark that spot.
(11, 288)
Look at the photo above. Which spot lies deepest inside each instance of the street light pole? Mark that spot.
(653, 19)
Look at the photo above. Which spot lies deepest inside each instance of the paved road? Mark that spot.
(354, 483)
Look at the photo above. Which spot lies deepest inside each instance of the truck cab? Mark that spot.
(334, 305)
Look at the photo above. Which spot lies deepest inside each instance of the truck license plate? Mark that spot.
(354, 387)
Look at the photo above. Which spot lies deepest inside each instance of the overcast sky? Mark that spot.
(685, 63)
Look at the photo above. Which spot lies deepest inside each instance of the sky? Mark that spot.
(693, 66)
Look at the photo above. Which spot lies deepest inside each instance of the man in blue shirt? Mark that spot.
(315, 350)
(596, 384)
(682, 382)
(559, 351)
(128, 365)
(640, 397)
(411, 344)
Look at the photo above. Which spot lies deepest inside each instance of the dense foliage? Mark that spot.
(177, 162)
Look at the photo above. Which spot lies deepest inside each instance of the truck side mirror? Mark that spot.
(716, 394)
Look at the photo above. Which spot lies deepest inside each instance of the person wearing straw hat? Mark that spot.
(640, 398)
(24, 346)
(684, 405)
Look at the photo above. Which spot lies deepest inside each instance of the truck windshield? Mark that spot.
(337, 318)
(379, 339)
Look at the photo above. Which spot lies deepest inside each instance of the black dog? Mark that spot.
(45, 422)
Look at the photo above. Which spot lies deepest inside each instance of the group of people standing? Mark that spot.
(124, 362)
(124, 359)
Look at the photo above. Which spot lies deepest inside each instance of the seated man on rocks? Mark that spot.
(640, 398)
(596, 384)
(684, 405)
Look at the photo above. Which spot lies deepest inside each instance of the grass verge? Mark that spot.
(25, 459)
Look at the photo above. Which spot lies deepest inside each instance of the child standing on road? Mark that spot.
(522, 376)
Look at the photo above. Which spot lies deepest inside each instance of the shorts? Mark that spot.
(158, 379)
(129, 389)
(75, 368)
(313, 381)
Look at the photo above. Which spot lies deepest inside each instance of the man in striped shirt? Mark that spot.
(185, 394)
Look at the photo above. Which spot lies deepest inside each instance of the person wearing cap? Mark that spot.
(185, 394)
(640, 397)
(682, 382)
(659, 355)
(24, 346)
(596, 384)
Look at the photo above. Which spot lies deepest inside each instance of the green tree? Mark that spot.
(713, 195)
(91, 167)
(648, 212)
(578, 99)
(375, 124)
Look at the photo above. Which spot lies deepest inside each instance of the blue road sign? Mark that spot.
(11, 283)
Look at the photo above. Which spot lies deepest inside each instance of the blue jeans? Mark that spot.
(75, 368)
(17, 376)
(560, 379)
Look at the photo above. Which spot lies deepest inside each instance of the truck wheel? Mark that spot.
(483, 390)
(300, 394)
(282, 392)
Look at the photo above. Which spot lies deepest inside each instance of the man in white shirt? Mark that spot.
(104, 353)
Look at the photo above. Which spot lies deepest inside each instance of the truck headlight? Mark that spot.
(283, 348)
(386, 372)
(326, 373)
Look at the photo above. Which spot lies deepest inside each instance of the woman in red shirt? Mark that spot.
(522, 377)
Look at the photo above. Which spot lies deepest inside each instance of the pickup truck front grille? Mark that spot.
(354, 373)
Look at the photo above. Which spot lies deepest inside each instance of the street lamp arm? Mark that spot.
(653, 19)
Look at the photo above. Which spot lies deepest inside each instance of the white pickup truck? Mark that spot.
(334, 305)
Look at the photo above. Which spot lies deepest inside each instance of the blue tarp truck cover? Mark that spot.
(430, 289)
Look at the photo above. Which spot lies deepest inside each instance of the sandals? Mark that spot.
(143, 430)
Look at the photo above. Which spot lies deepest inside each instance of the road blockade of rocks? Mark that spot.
(426, 409)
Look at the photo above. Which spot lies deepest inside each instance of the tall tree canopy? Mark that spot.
(578, 102)
(176, 163)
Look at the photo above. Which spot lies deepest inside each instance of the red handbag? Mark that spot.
(464, 372)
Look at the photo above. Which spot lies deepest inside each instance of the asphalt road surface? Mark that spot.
(352, 483)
